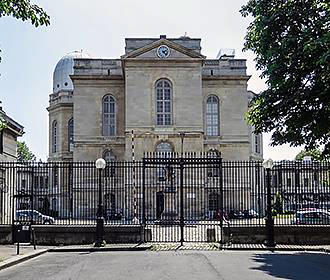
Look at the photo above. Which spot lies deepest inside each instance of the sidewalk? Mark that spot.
(9, 257)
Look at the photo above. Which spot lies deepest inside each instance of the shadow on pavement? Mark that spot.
(297, 266)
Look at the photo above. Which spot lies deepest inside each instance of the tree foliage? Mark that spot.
(24, 10)
(23, 153)
(291, 41)
(316, 154)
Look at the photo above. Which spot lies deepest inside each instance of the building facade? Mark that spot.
(8, 153)
(161, 90)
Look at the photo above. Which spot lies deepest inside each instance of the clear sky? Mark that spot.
(99, 27)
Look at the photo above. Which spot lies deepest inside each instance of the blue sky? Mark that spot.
(99, 27)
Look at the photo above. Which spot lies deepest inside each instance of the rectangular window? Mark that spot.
(288, 182)
(23, 185)
(55, 177)
(257, 144)
(305, 182)
(36, 182)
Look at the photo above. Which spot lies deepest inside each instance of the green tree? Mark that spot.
(291, 41)
(316, 154)
(23, 153)
(24, 10)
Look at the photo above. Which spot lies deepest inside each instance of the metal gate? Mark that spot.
(23, 216)
(182, 198)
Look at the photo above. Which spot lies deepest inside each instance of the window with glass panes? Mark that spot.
(163, 103)
(70, 134)
(212, 116)
(109, 157)
(54, 137)
(109, 115)
(257, 143)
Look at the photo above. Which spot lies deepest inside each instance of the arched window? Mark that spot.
(164, 148)
(163, 102)
(110, 158)
(212, 116)
(54, 137)
(165, 173)
(109, 115)
(70, 134)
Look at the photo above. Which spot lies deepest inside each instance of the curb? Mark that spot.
(101, 249)
(275, 249)
(19, 259)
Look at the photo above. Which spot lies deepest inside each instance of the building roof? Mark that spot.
(12, 125)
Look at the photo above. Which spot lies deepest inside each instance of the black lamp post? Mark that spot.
(99, 242)
(268, 164)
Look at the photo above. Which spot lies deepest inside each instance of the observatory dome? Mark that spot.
(63, 70)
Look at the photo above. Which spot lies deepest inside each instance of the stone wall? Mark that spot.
(70, 235)
(302, 235)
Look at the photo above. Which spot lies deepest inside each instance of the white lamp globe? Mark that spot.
(268, 164)
(100, 163)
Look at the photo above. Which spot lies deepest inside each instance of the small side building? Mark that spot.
(8, 153)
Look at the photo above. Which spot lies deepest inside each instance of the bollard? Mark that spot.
(18, 236)
(34, 239)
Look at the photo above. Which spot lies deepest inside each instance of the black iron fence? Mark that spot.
(176, 197)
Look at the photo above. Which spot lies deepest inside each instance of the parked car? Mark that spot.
(250, 214)
(235, 214)
(112, 215)
(35, 216)
(311, 216)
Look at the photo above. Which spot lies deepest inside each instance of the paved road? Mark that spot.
(173, 265)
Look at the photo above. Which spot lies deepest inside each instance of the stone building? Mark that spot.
(168, 95)
(8, 153)
(8, 137)
(159, 88)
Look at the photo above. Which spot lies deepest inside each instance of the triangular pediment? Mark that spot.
(176, 51)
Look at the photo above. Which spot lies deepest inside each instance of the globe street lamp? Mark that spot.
(268, 165)
(100, 165)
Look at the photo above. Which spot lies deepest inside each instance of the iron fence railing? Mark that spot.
(167, 191)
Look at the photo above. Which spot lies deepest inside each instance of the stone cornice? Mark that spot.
(59, 106)
(97, 77)
(225, 77)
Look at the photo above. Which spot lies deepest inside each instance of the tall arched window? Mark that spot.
(70, 134)
(109, 115)
(212, 116)
(54, 137)
(163, 102)
(164, 172)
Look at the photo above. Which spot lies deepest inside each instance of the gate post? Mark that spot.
(181, 201)
(268, 164)
(222, 216)
(143, 220)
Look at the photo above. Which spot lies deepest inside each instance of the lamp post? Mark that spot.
(268, 164)
(100, 165)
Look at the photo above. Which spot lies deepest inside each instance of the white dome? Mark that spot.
(64, 68)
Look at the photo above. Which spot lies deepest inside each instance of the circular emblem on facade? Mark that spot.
(163, 51)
